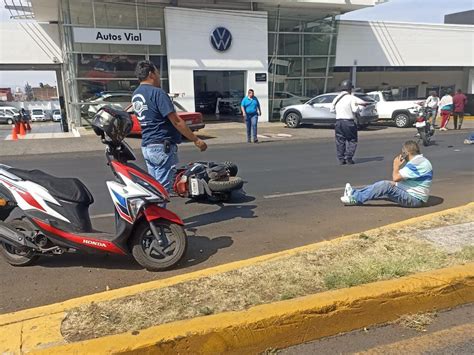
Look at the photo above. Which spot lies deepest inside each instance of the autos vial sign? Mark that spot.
(221, 39)
(116, 36)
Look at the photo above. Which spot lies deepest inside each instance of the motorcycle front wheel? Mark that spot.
(158, 253)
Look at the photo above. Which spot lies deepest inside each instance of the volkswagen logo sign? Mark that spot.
(221, 39)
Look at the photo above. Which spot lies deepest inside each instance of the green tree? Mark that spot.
(29, 92)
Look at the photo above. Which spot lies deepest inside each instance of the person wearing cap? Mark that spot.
(345, 105)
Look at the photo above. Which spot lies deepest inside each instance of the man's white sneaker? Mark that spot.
(348, 190)
(348, 200)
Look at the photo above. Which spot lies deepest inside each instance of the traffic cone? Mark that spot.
(22, 129)
(14, 133)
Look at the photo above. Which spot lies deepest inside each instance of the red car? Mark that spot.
(192, 119)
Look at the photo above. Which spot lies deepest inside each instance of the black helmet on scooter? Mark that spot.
(113, 125)
(346, 85)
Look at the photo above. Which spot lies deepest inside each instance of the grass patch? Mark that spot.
(364, 258)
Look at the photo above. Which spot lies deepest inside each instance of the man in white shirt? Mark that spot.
(432, 103)
(345, 106)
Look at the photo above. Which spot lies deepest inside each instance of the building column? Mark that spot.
(470, 81)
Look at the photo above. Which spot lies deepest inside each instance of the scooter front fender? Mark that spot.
(154, 212)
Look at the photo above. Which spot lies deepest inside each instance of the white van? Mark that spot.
(9, 114)
(38, 114)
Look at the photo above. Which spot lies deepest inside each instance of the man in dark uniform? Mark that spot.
(345, 106)
(161, 126)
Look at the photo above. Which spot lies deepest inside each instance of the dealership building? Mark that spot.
(211, 51)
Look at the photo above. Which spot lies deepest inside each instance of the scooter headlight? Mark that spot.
(135, 206)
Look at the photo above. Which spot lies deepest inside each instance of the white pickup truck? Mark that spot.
(403, 113)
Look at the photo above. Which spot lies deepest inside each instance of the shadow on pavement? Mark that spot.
(432, 201)
(237, 197)
(91, 261)
(368, 159)
(224, 213)
(201, 248)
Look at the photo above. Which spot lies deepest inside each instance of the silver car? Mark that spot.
(317, 111)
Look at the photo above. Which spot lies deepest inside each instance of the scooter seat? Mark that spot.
(68, 189)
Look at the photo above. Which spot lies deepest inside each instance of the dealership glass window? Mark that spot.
(154, 17)
(92, 89)
(313, 87)
(316, 44)
(288, 44)
(114, 14)
(80, 12)
(161, 63)
(315, 67)
(107, 66)
(321, 26)
(311, 44)
(286, 66)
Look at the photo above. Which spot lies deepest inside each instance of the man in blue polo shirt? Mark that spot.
(161, 127)
(251, 111)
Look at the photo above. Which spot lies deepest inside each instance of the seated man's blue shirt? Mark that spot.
(250, 105)
(152, 106)
(417, 175)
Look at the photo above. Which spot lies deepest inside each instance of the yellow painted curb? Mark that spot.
(38, 328)
(287, 323)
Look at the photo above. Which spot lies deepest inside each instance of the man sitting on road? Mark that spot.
(410, 185)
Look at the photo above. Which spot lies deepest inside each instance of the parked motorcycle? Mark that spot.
(423, 125)
(207, 180)
(54, 211)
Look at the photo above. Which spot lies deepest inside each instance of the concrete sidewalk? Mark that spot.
(213, 134)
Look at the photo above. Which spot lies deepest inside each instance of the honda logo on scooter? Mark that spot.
(93, 242)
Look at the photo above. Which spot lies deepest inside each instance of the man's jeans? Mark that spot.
(251, 121)
(388, 190)
(161, 165)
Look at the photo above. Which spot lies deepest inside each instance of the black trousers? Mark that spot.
(346, 139)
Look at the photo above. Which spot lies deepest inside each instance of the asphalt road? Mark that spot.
(451, 332)
(292, 199)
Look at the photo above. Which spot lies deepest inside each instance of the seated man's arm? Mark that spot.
(397, 164)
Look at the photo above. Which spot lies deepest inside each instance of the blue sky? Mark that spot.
(427, 11)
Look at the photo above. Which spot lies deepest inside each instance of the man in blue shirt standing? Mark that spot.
(251, 111)
(162, 128)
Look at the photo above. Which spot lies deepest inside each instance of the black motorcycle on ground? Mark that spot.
(204, 180)
(423, 125)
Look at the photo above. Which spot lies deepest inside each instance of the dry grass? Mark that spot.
(418, 321)
(364, 258)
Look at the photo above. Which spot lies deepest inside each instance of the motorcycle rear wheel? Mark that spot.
(162, 254)
(234, 183)
(13, 255)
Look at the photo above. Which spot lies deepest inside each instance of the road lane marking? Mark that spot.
(307, 192)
